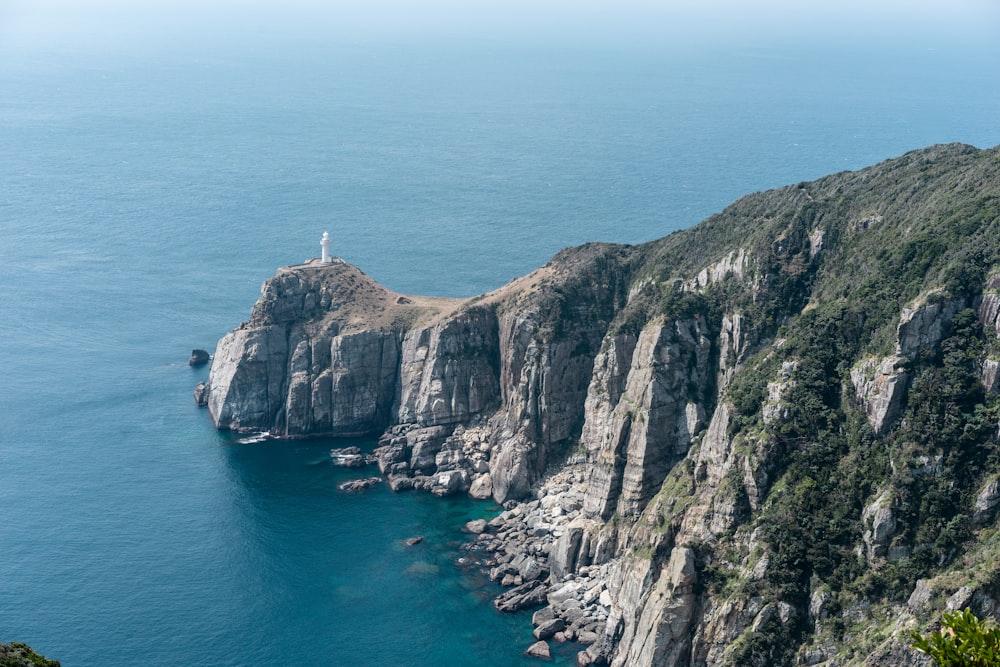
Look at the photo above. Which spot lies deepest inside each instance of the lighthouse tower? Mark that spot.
(325, 244)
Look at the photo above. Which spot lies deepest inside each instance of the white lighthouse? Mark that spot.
(325, 245)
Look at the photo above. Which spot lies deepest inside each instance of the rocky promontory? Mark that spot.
(478, 394)
(771, 439)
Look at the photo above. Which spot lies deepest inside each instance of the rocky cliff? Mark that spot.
(770, 439)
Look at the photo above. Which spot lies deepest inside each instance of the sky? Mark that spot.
(124, 24)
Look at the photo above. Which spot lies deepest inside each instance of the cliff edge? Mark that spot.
(771, 439)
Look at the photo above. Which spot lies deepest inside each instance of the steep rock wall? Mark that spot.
(328, 351)
(733, 402)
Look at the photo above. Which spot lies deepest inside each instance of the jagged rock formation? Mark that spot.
(328, 351)
(771, 439)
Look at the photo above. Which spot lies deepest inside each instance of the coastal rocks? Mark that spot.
(481, 487)
(476, 526)
(450, 483)
(525, 596)
(198, 358)
(440, 459)
(565, 552)
(319, 356)
(547, 629)
(544, 549)
(351, 457)
(540, 649)
(544, 388)
(605, 432)
(247, 378)
(201, 394)
(357, 485)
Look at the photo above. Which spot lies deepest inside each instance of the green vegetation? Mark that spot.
(17, 654)
(963, 641)
(920, 230)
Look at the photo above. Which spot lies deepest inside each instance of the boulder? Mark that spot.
(450, 483)
(549, 628)
(530, 569)
(525, 596)
(482, 487)
(543, 615)
(476, 526)
(540, 650)
(401, 482)
(198, 358)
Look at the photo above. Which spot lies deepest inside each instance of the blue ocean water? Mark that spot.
(143, 200)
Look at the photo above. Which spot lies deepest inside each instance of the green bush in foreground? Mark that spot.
(962, 641)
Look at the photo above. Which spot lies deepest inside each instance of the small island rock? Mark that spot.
(198, 358)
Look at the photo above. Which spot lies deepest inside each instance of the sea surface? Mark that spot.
(144, 199)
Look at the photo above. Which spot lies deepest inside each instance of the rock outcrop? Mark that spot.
(198, 358)
(328, 351)
(726, 447)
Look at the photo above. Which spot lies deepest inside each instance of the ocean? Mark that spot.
(144, 199)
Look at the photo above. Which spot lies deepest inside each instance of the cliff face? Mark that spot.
(327, 351)
(770, 439)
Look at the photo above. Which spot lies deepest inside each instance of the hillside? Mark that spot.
(769, 439)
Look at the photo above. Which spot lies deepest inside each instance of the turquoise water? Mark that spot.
(144, 199)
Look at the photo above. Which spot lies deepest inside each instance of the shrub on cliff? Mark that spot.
(962, 641)
(16, 654)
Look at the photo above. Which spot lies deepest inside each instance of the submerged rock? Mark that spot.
(356, 485)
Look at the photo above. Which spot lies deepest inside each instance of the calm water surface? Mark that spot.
(142, 202)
